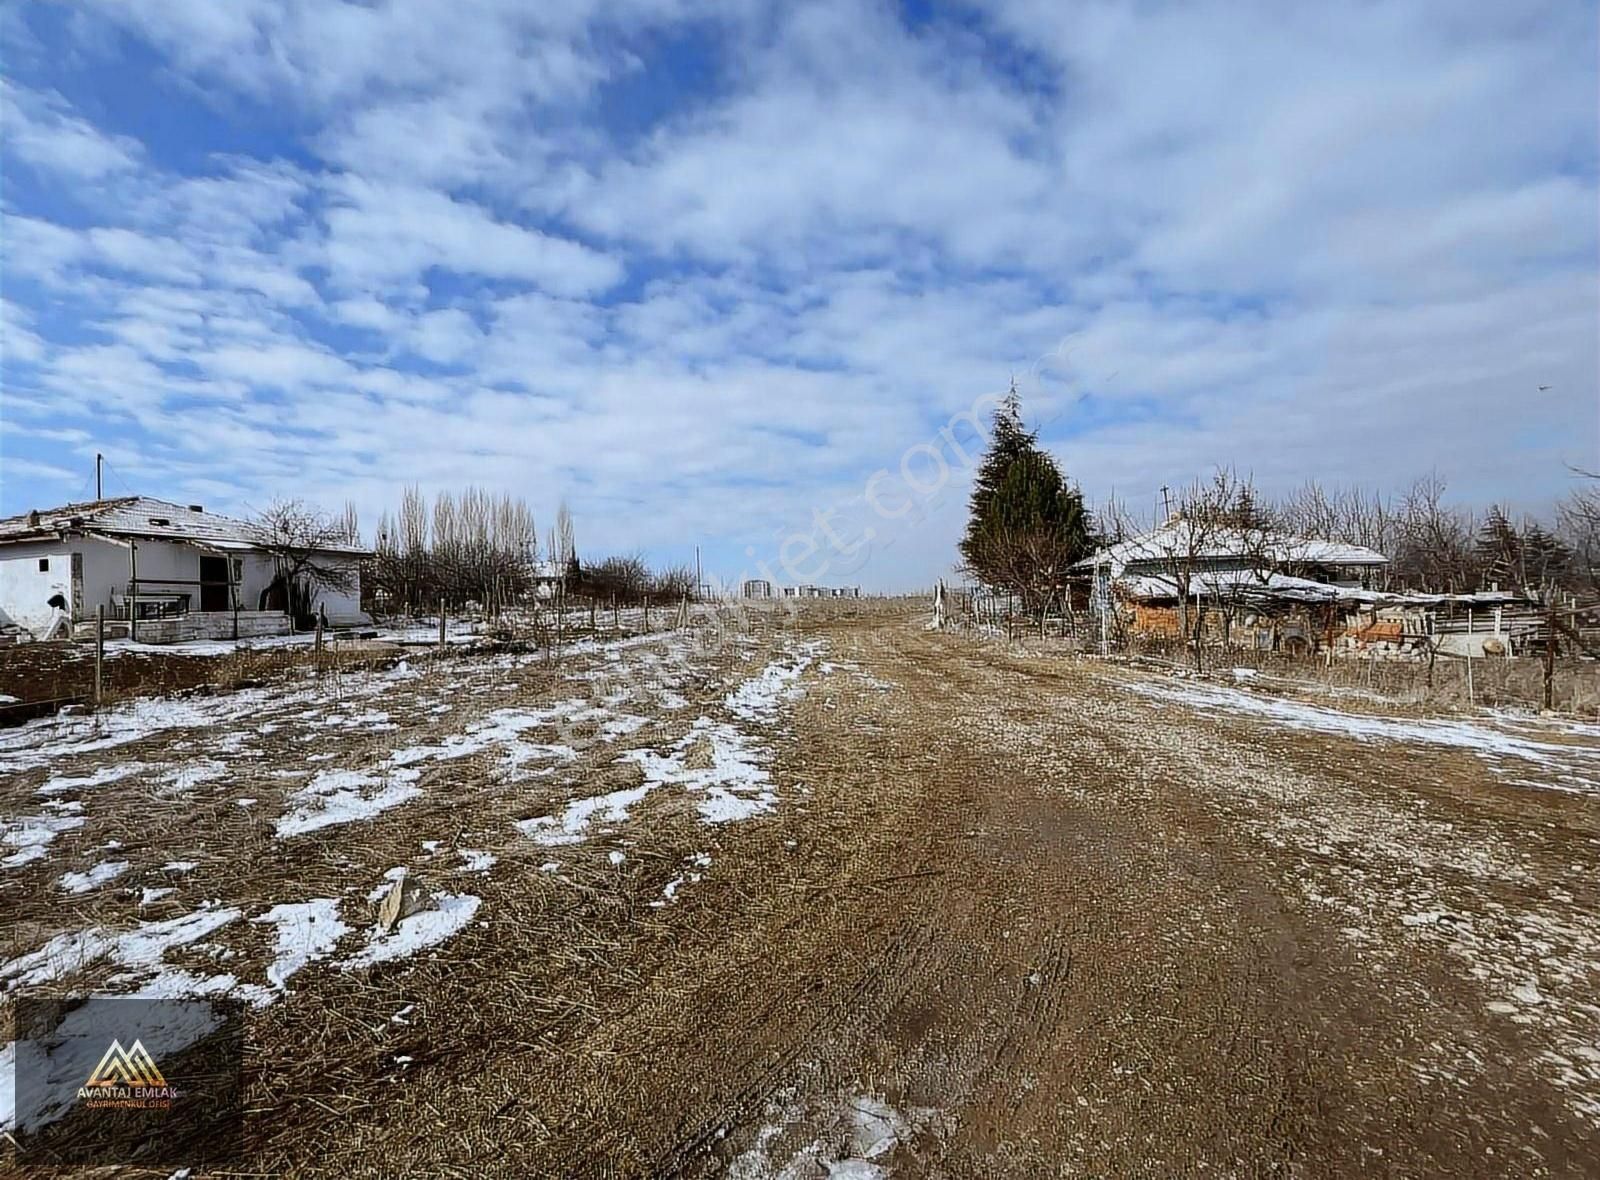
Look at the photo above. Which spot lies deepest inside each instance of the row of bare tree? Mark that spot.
(472, 547)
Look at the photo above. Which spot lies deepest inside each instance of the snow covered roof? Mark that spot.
(1178, 537)
(1238, 583)
(1212, 584)
(141, 516)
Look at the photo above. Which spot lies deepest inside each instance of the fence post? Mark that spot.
(99, 653)
(133, 591)
(1550, 656)
(317, 644)
(441, 624)
(647, 612)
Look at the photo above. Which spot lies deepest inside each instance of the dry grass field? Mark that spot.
(830, 895)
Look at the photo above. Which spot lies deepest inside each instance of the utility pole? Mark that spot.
(99, 459)
(1166, 503)
(697, 571)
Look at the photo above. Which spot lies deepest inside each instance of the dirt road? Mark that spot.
(1009, 914)
(1038, 924)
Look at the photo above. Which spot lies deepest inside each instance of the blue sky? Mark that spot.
(720, 273)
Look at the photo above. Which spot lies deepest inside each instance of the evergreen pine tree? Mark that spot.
(1026, 522)
(1499, 551)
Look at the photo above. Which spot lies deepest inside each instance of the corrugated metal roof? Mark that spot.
(141, 516)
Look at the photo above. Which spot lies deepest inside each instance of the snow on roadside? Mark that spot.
(857, 1136)
(61, 784)
(718, 763)
(573, 823)
(186, 778)
(476, 861)
(1580, 766)
(759, 698)
(47, 740)
(139, 950)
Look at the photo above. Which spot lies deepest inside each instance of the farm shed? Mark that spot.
(1180, 549)
(177, 571)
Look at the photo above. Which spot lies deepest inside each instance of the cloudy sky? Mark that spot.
(720, 272)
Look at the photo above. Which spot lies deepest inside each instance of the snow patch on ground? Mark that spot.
(186, 778)
(139, 950)
(419, 931)
(307, 931)
(1578, 767)
(759, 698)
(345, 796)
(95, 877)
(31, 836)
(573, 823)
(856, 1141)
(717, 762)
(61, 784)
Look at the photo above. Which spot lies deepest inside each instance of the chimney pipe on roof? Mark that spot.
(33, 518)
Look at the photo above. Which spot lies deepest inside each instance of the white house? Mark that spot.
(178, 571)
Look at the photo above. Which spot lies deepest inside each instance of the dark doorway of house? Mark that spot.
(214, 583)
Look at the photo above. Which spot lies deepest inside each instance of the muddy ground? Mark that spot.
(838, 896)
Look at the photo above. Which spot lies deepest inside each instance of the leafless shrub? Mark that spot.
(305, 545)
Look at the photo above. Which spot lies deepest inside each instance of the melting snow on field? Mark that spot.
(419, 931)
(344, 796)
(32, 835)
(139, 951)
(716, 762)
(94, 878)
(307, 931)
(758, 698)
(61, 784)
(1576, 767)
(50, 739)
(855, 1143)
(571, 825)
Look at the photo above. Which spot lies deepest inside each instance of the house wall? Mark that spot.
(343, 607)
(25, 590)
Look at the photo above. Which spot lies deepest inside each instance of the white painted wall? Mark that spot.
(24, 590)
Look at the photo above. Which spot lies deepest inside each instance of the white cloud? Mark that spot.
(42, 130)
(381, 233)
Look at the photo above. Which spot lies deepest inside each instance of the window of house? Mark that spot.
(44, 565)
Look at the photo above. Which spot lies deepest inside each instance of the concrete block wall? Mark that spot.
(212, 625)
